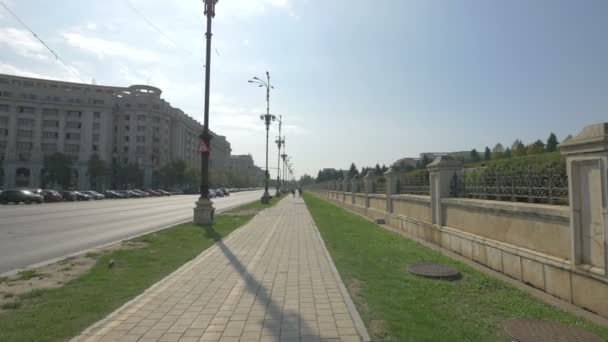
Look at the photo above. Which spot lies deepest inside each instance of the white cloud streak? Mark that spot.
(106, 48)
(22, 43)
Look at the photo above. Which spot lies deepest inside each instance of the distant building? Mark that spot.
(460, 155)
(122, 125)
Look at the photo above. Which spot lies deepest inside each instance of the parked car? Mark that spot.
(51, 196)
(218, 193)
(140, 193)
(94, 195)
(164, 193)
(152, 192)
(18, 196)
(81, 196)
(225, 191)
(69, 196)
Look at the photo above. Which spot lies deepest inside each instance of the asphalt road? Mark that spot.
(32, 234)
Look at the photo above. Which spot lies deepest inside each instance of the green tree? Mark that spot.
(498, 152)
(96, 170)
(352, 171)
(487, 154)
(58, 170)
(475, 157)
(518, 149)
(551, 143)
(507, 153)
(536, 147)
(422, 163)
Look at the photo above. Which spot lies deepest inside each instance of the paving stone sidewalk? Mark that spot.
(271, 280)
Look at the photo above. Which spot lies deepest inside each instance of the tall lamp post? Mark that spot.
(203, 212)
(280, 141)
(267, 118)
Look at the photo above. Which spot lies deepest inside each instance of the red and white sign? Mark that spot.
(202, 147)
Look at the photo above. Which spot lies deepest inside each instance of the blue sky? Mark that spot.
(355, 80)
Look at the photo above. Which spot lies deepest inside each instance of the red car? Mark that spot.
(51, 196)
(152, 192)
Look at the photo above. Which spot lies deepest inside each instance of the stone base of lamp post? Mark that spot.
(266, 197)
(203, 212)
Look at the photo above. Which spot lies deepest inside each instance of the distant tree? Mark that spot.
(498, 151)
(474, 156)
(384, 168)
(352, 171)
(378, 169)
(518, 149)
(96, 170)
(58, 169)
(487, 154)
(306, 180)
(551, 143)
(507, 153)
(536, 147)
(422, 163)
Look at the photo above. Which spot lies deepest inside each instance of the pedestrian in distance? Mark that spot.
(293, 193)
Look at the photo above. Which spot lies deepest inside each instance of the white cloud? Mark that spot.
(107, 48)
(250, 8)
(91, 26)
(13, 70)
(22, 42)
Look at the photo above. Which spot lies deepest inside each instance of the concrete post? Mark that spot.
(354, 187)
(392, 180)
(441, 173)
(587, 166)
(344, 188)
(368, 181)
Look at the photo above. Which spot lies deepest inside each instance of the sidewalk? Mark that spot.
(271, 280)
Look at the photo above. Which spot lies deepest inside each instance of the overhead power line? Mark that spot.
(57, 57)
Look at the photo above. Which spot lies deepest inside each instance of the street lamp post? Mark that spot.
(267, 118)
(203, 212)
(280, 141)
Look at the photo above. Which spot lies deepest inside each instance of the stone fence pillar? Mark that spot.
(354, 185)
(344, 188)
(587, 166)
(392, 179)
(369, 180)
(441, 173)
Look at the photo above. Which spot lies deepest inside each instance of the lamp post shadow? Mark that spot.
(291, 321)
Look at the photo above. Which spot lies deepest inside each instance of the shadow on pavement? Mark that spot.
(291, 323)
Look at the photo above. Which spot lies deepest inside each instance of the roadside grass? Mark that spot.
(398, 306)
(61, 313)
(29, 274)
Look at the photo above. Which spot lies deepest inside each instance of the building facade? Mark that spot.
(122, 125)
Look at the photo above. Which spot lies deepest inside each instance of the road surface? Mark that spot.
(31, 234)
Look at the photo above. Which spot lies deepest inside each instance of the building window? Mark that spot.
(140, 150)
(4, 108)
(49, 147)
(142, 106)
(96, 115)
(156, 107)
(74, 114)
(96, 125)
(25, 134)
(71, 148)
(72, 136)
(126, 138)
(26, 122)
(98, 102)
(24, 109)
(50, 135)
(141, 118)
(50, 111)
(125, 149)
(95, 137)
(73, 124)
(95, 148)
(24, 146)
(141, 128)
(3, 120)
(127, 117)
(50, 123)
(3, 132)
(141, 139)
(127, 128)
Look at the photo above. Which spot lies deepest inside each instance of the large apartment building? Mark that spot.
(121, 125)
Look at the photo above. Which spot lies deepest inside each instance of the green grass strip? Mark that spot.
(398, 306)
(58, 314)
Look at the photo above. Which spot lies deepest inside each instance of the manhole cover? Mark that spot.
(434, 271)
(524, 330)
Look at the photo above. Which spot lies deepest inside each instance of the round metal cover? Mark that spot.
(530, 330)
(434, 271)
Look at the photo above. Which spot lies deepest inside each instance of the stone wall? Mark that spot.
(562, 250)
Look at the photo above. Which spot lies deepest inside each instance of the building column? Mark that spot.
(441, 173)
(587, 166)
(10, 173)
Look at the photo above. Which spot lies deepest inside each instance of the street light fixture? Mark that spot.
(279, 141)
(203, 212)
(267, 118)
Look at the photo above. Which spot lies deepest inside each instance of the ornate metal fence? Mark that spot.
(548, 186)
(416, 185)
(379, 186)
